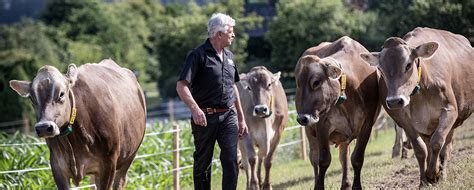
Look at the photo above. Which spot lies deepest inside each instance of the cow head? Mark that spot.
(51, 96)
(260, 81)
(317, 87)
(398, 64)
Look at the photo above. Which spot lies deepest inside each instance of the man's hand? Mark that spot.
(199, 117)
(243, 130)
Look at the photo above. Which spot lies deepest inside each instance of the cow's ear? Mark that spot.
(276, 77)
(333, 71)
(426, 50)
(72, 74)
(372, 58)
(21, 87)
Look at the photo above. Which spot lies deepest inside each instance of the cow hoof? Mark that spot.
(424, 184)
(433, 179)
(266, 187)
(254, 186)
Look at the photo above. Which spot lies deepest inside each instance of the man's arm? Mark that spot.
(243, 130)
(185, 94)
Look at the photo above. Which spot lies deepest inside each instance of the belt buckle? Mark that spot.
(210, 111)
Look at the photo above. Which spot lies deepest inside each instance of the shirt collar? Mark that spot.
(208, 47)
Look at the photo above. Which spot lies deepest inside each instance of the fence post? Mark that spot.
(304, 155)
(26, 124)
(171, 110)
(176, 157)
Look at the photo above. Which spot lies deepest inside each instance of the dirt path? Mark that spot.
(407, 177)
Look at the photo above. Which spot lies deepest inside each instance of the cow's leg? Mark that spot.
(324, 155)
(250, 160)
(313, 151)
(268, 161)
(107, 173)
(259, 168)
(445, 155)
(121, 175)
(420, 150)
(344, 158)
(438, 139)
(406, 145)
(398, 141)
(357, 157)
(60, 178)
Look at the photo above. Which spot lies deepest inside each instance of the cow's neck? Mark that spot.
(343, 83)
(63, 151)
(68, 129)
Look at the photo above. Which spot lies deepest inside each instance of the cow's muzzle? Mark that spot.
(46, 129)
(397, 102)
(307, 119)
(261, 111)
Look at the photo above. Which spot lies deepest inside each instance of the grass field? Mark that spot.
(380, 171)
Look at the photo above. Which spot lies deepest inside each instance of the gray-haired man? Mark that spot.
(207, 86)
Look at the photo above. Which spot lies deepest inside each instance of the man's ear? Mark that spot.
(72, 74)
(21, 87)
(426, 50)
(371, 58)
(276, 77)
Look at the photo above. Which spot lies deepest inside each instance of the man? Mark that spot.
(207, 86)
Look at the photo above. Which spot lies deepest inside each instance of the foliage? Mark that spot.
(452, 15)
(184, 27)
(24, 48)
(396, 18)
(93, 31)
(302, 24)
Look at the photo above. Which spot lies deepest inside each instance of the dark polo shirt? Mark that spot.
(211, 81)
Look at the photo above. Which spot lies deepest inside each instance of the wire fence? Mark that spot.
(175, 151)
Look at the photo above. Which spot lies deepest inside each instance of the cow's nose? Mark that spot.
(44, 129)
(261, 110)
(303, 119)
(395, 102)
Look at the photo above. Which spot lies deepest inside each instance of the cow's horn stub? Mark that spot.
(393, 41)
(309, 59)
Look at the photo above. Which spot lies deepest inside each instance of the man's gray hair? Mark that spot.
(219, 23)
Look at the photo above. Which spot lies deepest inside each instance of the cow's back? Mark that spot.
(451, 66)
(114, 104)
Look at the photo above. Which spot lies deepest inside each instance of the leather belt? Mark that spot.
(214, 110)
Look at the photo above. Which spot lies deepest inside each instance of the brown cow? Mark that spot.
(325, 76)
(428, 91)
(266, 114)
(100, 138)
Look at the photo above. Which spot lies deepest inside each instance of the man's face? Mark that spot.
(227, 37)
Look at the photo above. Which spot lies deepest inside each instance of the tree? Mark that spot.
(92, 31)
(183, 27)
(302, 24)
(24, 48)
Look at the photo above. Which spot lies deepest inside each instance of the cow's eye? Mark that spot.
(248, 88)
(408, 67)
(315, 84)
(269, 85)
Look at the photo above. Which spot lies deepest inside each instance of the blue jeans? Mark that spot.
(222, 127)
